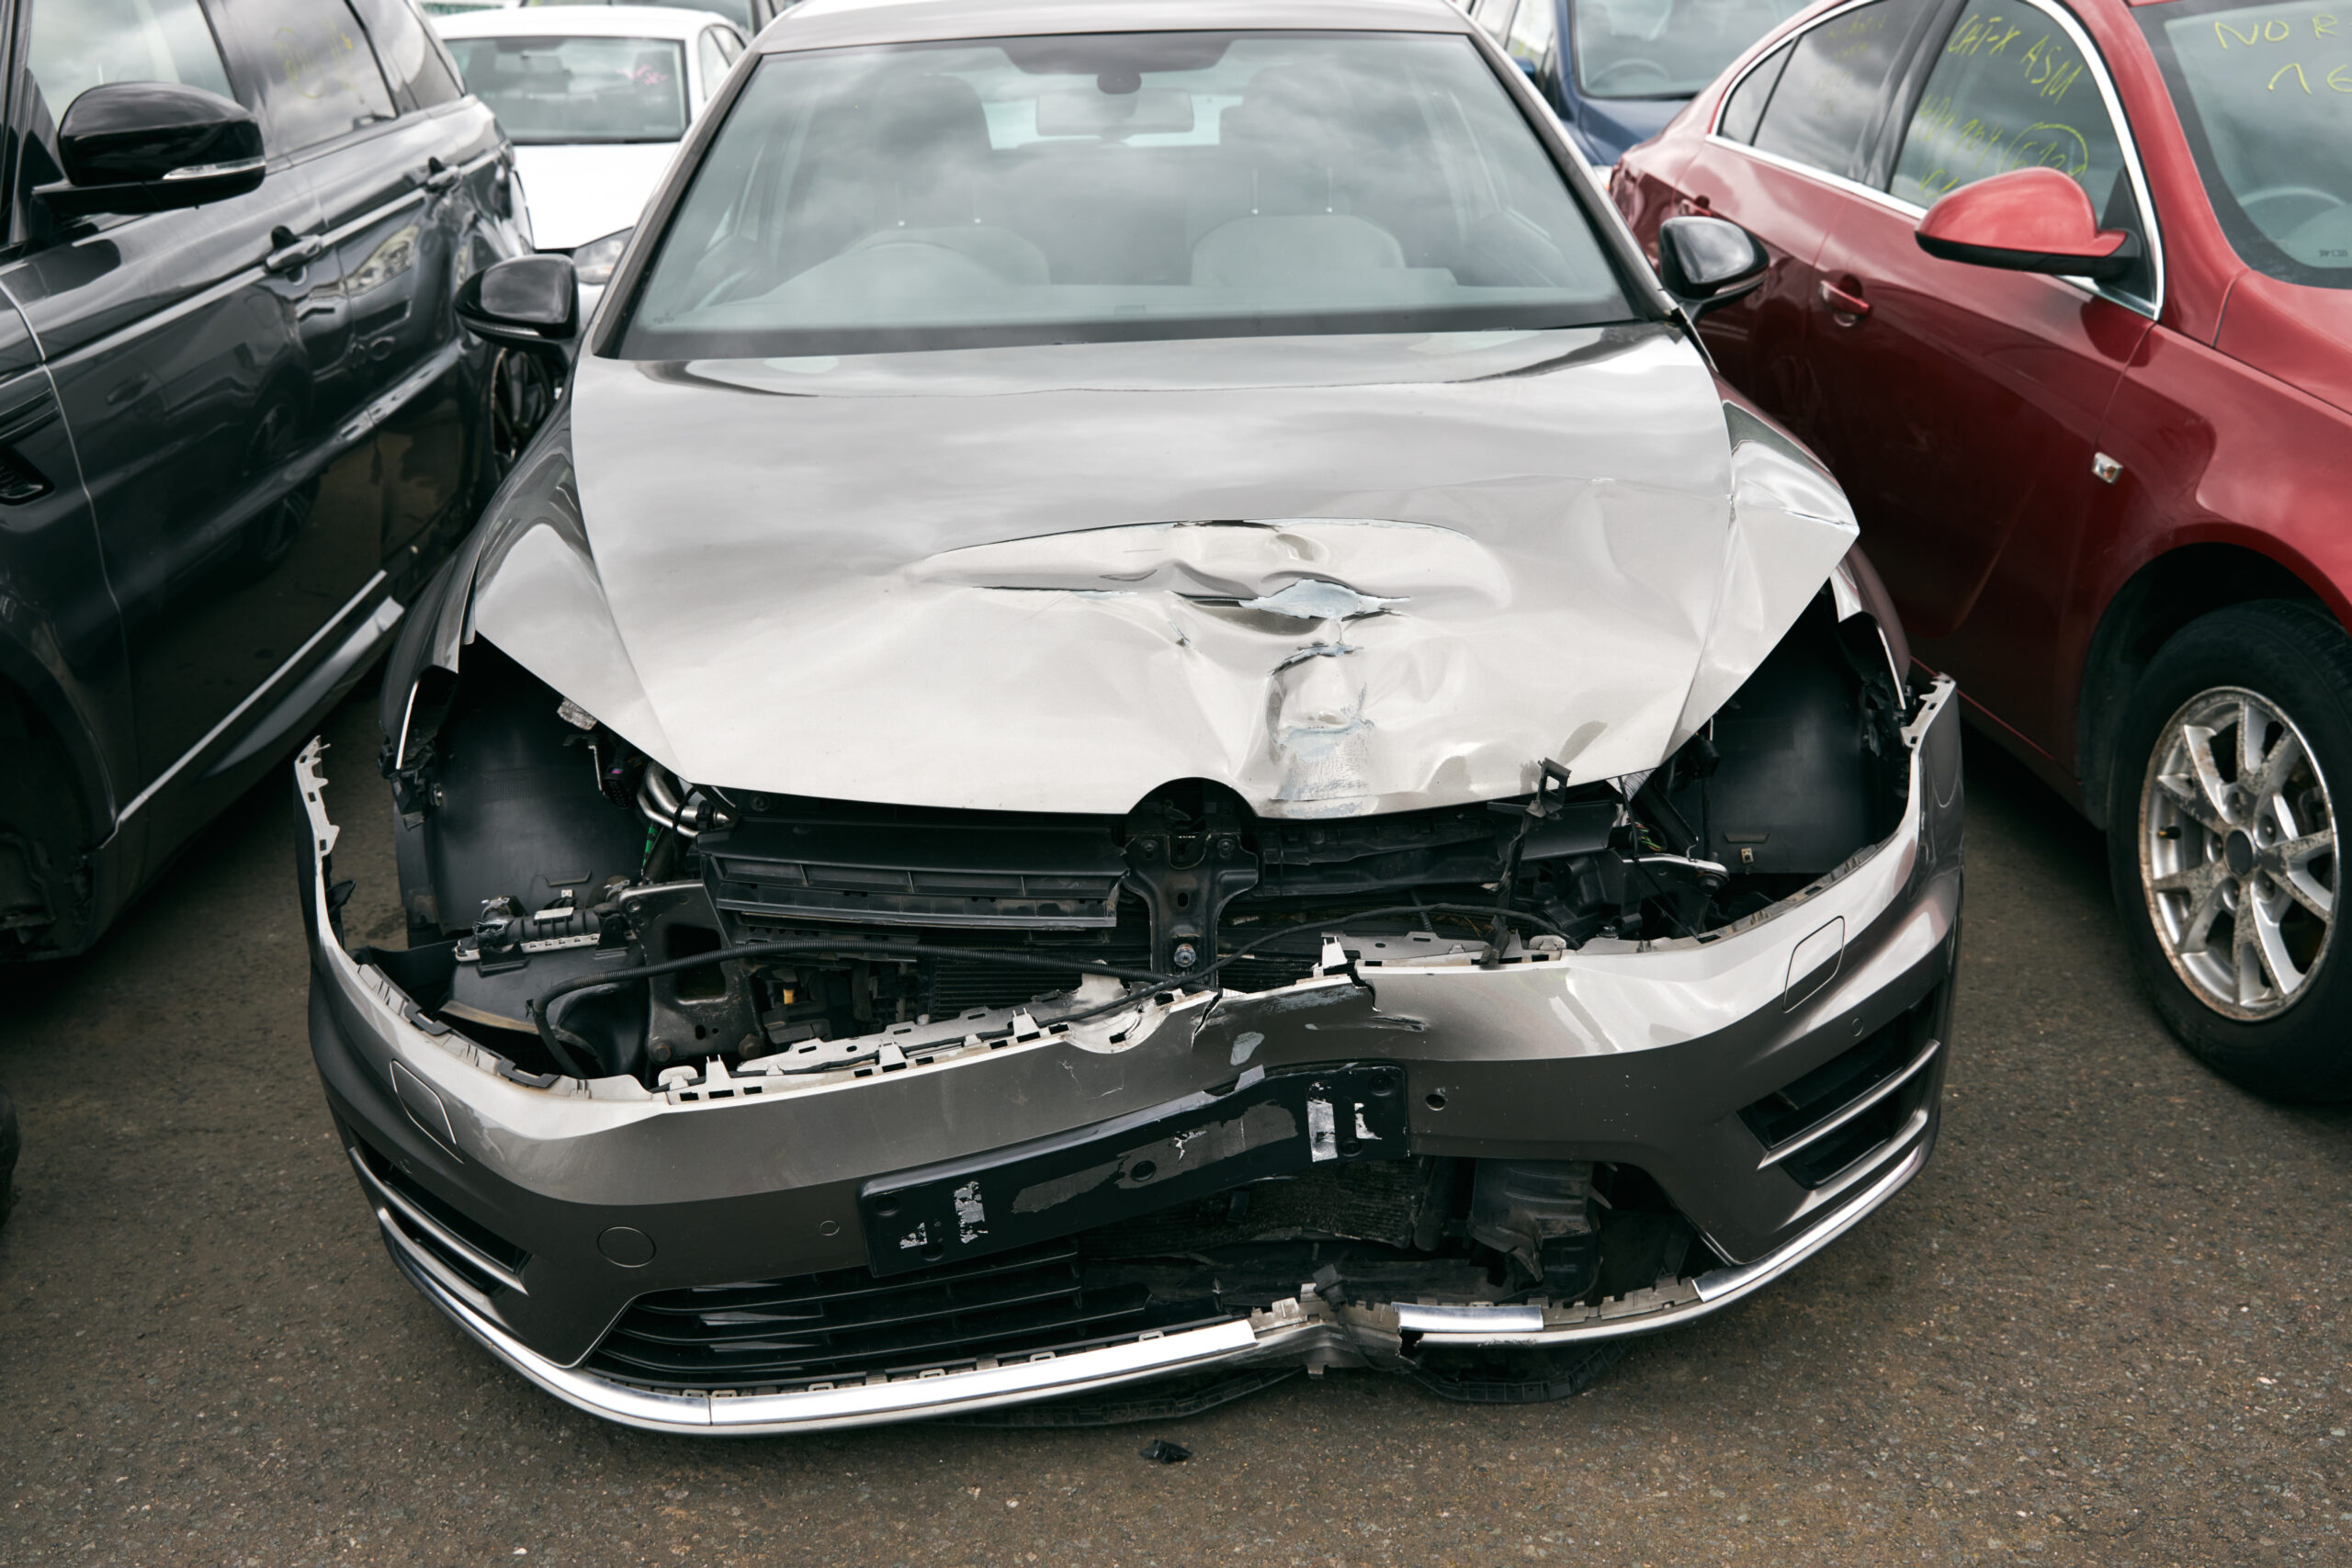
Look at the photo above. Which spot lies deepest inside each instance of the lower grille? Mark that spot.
(479, 1256)
(1822, 1123)
(845, 1324)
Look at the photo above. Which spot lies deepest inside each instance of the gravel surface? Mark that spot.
(2106, 1326)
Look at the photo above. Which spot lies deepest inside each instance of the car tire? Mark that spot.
(2201, 828)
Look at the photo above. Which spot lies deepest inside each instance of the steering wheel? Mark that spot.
(2318, 200)
(1616, 71)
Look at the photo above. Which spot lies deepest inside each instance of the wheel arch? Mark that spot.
(2163, 595)
(52, 753)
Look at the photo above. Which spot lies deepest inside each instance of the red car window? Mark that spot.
(2264, 94)
(2009, 90)
(1745, 108)
(1829, 94)
(2012, 88)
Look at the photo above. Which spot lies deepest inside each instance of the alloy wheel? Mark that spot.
(2237, 852)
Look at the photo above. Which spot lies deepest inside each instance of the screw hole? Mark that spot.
(887, 1205)
(1434, 1100)
(1143, 1170)
(1351, 1147)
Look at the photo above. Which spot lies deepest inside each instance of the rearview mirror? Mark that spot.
(1150, 111)
(1707, 262)
(530, 302)
(152, 147)
(2027, 221)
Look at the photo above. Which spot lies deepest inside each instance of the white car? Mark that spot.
(596, 99)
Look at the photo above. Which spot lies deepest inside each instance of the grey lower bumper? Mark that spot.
(1303, 1329)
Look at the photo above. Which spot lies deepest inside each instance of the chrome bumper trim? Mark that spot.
(474, 1256)
(867, 1404)
(1813, 1135)
(1293, 1331)
(1696, 1298)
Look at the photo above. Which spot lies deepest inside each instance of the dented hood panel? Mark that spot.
(1339, 575)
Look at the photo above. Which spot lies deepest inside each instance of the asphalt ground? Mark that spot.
(2107, 1324)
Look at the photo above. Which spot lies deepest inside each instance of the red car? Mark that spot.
(2063, 295)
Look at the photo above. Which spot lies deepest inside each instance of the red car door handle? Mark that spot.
(1843, 303)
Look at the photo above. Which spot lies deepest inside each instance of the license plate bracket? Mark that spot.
(1267, 1124)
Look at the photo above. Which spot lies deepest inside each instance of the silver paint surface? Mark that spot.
(1341, 575)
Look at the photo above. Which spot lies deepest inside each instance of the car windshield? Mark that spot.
(2264, 93)
(556, 90)
(1123, 186)
(1663, 48)
(736, 11)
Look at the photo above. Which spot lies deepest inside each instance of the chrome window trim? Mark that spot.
(1714, 121)
(2152, 309)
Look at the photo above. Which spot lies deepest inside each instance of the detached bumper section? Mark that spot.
(731, 1253)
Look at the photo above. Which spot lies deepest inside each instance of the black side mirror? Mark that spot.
(530, 302)
(152, 147)
(1707, 262)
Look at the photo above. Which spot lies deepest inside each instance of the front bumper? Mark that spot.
(535, 1215)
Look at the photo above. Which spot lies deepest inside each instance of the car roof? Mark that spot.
(832, 24)
(581, 21)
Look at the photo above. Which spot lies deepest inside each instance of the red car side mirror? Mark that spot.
(2027, 221)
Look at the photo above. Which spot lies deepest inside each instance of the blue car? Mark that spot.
(1616, 71)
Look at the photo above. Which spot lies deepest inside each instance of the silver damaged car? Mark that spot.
(1145, 721)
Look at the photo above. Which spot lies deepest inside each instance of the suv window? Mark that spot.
(79, 43)
(319, 78)
(1831, 89)
(1531, 30)
(713, 61)
(2008, 91)
(1745, 108)
(1492, 15)
(411, 56)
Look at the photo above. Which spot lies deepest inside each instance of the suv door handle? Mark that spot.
(290, 254)
(1852, 307)
(437, 178)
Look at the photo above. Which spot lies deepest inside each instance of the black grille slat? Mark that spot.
(800, 1358)
(968, 870)
(846, 1323)
(700, 1329)
(848, 1284)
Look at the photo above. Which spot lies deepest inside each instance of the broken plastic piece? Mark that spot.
(1159, 1450)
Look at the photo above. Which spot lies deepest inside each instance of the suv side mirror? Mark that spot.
(2027, 221)
(152, 147)
(530, 302)
(1707, 262)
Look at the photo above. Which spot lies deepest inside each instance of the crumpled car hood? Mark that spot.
(1339, 575)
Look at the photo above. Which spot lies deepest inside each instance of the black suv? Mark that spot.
(239, 422)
